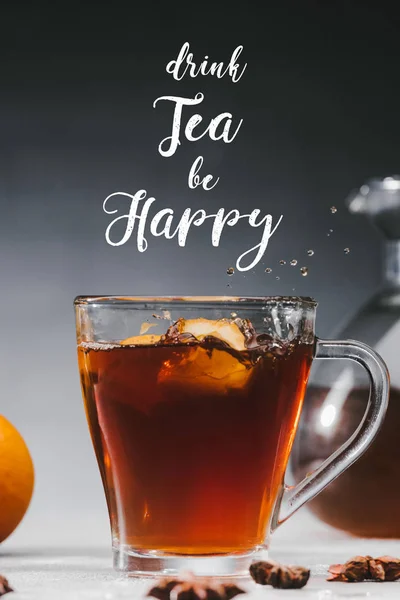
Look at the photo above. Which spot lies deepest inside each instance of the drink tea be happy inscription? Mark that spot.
(224, 128)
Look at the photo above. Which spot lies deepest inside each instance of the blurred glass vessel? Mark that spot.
(364, 500)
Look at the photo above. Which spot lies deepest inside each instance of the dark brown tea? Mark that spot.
(193, 434)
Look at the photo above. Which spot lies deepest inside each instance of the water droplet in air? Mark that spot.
(282, 262)
(233, 315)
(304, 271)
(333, 209)
(230, 271)
(293, 262)
(277, 277)
(228, 285)
(268, 270)
(346, 250)
(329, 232)
(310, 252)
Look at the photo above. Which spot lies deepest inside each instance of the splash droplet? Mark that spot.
(233, 315)
(304, 271)
(230, 271)
(293, 262)
(277, 277)
(282, 262)
(346, 250)
(268, 270)
(228, 285)
(333, 209)
(310, 252)
(329, 232)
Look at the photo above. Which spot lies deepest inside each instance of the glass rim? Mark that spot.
(182, 300)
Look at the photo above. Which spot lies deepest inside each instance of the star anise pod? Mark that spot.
(279, 576)
(390, 565)
(4, 586)
(163, 588)
(376, 570)
(361, 568)
(194, 588)
(356, 569)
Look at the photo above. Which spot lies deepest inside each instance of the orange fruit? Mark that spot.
(141, 340)
(223, 329)
(16, 478)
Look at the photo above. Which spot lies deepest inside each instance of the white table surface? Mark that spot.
(47, 562)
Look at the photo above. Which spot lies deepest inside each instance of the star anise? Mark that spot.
(279, 576)
(194, 588)
(5, 587)
(361, 568)
(163, 588)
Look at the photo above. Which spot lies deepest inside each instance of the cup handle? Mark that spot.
(293, 497)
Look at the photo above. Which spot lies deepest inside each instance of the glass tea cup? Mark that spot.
(193, 405)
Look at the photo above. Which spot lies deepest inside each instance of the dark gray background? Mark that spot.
(319, 100)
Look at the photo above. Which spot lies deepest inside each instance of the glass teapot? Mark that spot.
(364, 500)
